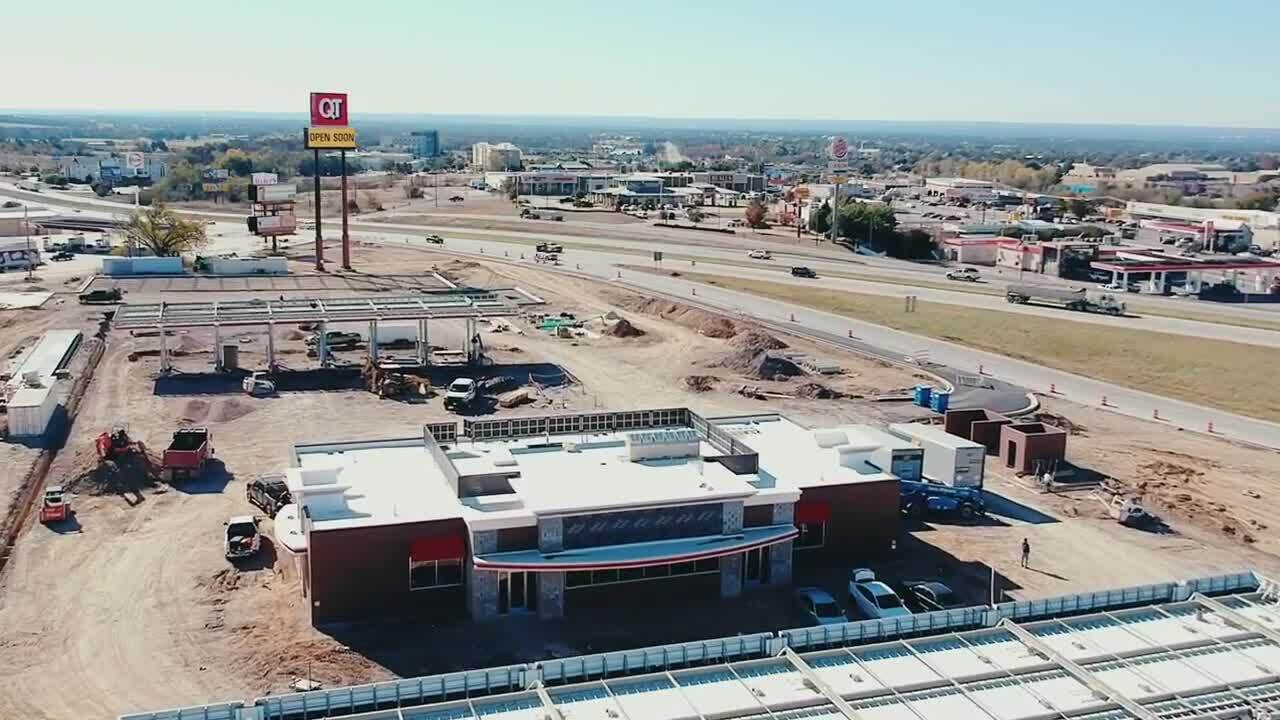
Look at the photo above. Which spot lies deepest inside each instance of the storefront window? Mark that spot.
(428, 574)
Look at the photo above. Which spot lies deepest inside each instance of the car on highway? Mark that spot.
(819, 607)
(967, 274)
(873, 598)
(804, 272)
(62, 255)
(435, 239)
(928, 596)
(760, 255)
(1121, 287)
(456, 198)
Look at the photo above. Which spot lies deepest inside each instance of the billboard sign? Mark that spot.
(273, 225)
(329, 109)
(215, 175)
(272, 193)
(213, 187)
(330, 138)
(264, 178)
(839, 148)
(134, 161)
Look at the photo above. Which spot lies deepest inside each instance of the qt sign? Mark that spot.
(329, 109)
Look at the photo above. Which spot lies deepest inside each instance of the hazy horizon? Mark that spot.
(1134, 64)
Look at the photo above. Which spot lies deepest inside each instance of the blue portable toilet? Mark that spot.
(940, 401)
(923, 393)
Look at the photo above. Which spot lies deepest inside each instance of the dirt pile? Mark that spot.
(717, 327)
(757, 340)
(700, 383)
(759, 364)
(1060, 422)
(706, 323)
(195, 411)
(230, 409)
(187, 345)
(818, 391)
(295, 335)
(623, 329)
(125, 474)
(1168, 472)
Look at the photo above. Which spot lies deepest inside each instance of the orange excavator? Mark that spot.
(117, 443)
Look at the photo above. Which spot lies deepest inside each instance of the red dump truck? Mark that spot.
(187, 454)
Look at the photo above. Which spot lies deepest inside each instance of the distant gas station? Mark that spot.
(1159, 273)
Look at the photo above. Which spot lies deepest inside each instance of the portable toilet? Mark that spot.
(922, 395)
(940, 401)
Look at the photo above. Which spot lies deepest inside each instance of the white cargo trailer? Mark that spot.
(30, 410)
(948, 459)
(895, 455)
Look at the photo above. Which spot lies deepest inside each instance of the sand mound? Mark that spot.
(756, 340)
(230, 409)
(1060, 422)
(624, 329)
(188, 344)
(295, 335)
(195, 411)
(706, 323)
(760, 365)
(818, 391)
(128, 473)
(717, 327)
(700, 383)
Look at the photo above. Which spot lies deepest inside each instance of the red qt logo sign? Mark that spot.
(329, 109)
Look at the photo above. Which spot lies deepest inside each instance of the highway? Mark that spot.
(602, 261)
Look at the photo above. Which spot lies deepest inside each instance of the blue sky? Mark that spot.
(1122, 61)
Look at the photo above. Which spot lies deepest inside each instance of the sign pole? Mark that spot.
(346, 238)
(319, 237)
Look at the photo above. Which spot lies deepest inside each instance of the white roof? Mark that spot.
(44, 358)
(793, 457)
(399, 481)
(29, 397)
(932, 434)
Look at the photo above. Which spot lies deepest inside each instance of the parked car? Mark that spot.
(96, 297)
(460, 393)
(873, 598)
(268, 494)
(968, 274)
(804, 272)
(819, 607)
(241, 539)
(760, 255)
(336, 339)
(929, 596)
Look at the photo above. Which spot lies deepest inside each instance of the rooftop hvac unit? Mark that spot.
(662, 444)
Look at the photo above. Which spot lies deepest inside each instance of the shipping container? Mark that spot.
(894, 455)
(115, 266)
(30, 410)
(948, 459)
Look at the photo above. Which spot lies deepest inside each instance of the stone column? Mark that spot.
(780, 555)
(550, 595)
(482, 585)
(731, 576)
(732, 518)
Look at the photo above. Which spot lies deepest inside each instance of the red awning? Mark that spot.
(813, 511)
(438, 547)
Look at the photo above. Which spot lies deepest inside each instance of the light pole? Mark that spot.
(26, 227)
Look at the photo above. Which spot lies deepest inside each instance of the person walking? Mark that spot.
(1026, 552)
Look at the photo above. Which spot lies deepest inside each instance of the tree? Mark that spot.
(867, 222)
(237, 162)
(820, 219)
(1079, 207)
(163, 232)
(695, 215)
(755, 214)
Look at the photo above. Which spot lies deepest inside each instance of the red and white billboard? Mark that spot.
(839, 148)
(329, 109)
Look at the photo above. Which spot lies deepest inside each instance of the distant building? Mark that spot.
(424, 143)
(960, 188)
(495, 157)
(95, 168)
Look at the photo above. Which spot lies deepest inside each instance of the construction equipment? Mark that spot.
(918, 499)
(258, 385)
(54, 507)
(1078, 299)
(1130, 513)
(117, 443)
(187, 454)
(386, 383)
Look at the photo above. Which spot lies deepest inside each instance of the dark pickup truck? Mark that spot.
(101, 297)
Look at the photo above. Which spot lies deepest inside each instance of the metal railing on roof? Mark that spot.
(342, 702)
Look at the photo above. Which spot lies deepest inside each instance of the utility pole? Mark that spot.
(26, 228)
(346, 238)
(319, 237)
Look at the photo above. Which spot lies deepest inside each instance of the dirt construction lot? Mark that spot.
(132, 606)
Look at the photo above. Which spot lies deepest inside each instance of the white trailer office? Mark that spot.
(948, 459)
